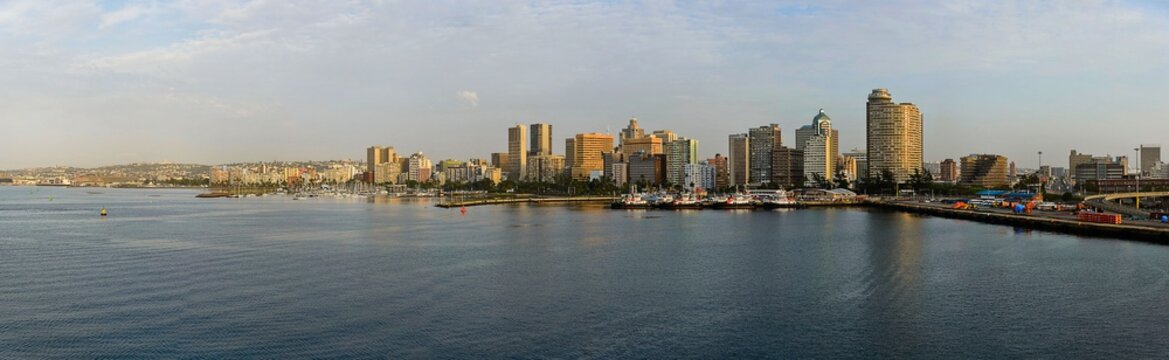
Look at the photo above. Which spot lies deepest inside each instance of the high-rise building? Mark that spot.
(722, 178)
(545, 168)
(420, 168)
(587, 150)
(787, 166)
(631, 132)
(739, 159)
(1076, 159)
(985, 170)
(569, 151)
(680, 152)
(649, 144)
(1011, 171)
(1150, 156)
(665, 135)
(698, 176)
(610, 158)
(894, 136)
(817, 161)
(848, 168)
(499, 160)
(517, 152)
(949, 171)
(762, 140)
(377, 155)
(647, 169)
(862, 161)
(821, 125)
(541, 143)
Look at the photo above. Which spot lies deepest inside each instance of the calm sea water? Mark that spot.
(167, 275)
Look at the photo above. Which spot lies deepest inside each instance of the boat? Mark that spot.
(631, 202)
(685, 201)
(779, 201)
(737, 201)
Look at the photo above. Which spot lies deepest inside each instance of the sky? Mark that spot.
(91, 83)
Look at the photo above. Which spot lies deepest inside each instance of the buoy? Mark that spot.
(463, 210)
(103, 211)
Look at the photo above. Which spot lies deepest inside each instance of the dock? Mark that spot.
(1055, 222)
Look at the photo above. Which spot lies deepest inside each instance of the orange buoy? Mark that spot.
(463, 210)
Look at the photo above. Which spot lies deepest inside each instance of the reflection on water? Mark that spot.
(173, 276)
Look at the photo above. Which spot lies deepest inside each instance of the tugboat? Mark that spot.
(684, 201)
(737, 201)
(779, 201)
(631, 201)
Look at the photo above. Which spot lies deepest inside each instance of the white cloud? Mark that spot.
(470, 98)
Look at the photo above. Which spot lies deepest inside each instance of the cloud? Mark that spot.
(470, 98)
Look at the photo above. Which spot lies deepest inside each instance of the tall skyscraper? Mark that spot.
(817, 161)
(569, 151)
(499, 160)
(739, 159)
(763, 140)
(1150, 156)
(985, 170)
(517, 152)
(821, 124)
(631, 132)
(893, 136)
(587, 150)
(541, 143)
(680, 152)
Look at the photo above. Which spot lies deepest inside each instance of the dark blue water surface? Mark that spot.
(167, 275)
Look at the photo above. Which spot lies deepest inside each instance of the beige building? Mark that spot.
(633, 131)
(375, 156)
(545, 168)
(586, 153)
(650, 145)
(985, 170)
(517, 152)
(739, 159)
(894, 136)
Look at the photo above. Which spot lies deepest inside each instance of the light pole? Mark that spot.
(1137, 150)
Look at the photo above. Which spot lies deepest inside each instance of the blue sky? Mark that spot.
(207, 81)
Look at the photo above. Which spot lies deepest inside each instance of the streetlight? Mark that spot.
(1138, 151)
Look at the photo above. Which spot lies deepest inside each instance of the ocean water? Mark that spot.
(167, 275)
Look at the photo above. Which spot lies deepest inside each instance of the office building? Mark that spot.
(541, 140)
(1150, 156)
(862, 161)
(821, 125)
(739, 159)
(587, 150)
(610, 159)
(763, 139)
(680, 153)
(787, 167)
(648, 144)
(499, 160)
(375, 156)
(985, 170)
(545, 168)
(517, 152)
(419, 167)
(632, 132)
(722, 178)
(949, 171)
(893, 136)
(647, 169)
(665, 135)
(817, 161)
(698, 176)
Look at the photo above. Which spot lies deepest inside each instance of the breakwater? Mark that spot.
(1153, 234)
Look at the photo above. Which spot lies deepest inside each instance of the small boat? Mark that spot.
(779, 201)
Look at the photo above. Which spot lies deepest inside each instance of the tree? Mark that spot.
(842, 180)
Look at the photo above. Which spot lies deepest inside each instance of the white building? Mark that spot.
(699, 176)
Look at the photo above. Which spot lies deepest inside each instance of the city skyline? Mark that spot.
(223, 82)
